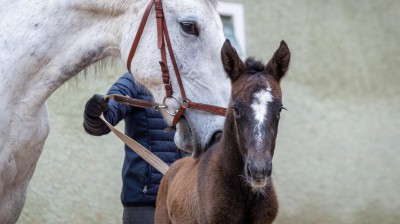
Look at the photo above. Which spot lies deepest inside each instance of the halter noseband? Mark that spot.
(162, 32)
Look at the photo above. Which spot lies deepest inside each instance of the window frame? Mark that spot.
(236, 12)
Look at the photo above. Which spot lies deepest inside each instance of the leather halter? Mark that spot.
(162, 32)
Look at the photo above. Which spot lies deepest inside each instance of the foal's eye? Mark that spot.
(190, 28)
(278, 115)
(236, 111)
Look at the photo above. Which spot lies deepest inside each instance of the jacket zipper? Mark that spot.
(148, 174)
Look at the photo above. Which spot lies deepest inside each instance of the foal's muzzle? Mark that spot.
(259, 170)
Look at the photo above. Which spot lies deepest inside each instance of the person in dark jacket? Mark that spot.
(140, 180)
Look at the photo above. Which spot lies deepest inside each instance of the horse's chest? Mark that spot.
(236, 206)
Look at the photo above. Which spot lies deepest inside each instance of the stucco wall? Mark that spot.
(337, 155)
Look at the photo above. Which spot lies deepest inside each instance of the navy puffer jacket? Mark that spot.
(140, 180)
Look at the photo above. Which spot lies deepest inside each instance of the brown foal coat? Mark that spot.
(213, 188)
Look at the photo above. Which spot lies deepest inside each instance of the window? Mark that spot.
(232, 15)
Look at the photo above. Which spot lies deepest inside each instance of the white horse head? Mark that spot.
(45, 43)
(196, 34)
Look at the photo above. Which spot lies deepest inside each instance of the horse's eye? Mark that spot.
(237, 112)
(190, 28)
(278, 115)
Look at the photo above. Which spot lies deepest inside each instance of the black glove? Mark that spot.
(96, 105)
(92, 123)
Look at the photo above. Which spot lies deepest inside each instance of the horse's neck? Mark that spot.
(48, 42)
(229, 149)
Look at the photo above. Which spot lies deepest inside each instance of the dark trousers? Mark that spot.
(138, 215)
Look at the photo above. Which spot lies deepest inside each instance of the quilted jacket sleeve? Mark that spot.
(117, 111)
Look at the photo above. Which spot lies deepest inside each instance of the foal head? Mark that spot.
(254, 109)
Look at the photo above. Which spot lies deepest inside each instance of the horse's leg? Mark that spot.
(15, 198)
(17, 166)
(161, 215)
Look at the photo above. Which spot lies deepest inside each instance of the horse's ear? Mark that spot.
(279, 63)
(233, 65)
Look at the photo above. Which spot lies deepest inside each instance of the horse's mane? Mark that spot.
(104, 66)
(254, 66)
(108, 66)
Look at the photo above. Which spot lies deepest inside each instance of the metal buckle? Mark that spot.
(165, 107)
(168, 84)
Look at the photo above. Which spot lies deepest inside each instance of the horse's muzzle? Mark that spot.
(259, 170)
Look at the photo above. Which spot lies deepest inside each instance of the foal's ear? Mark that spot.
(279, 63)
(233, 65)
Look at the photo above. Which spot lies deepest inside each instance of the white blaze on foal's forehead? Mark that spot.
(260, 103)
(260, 110)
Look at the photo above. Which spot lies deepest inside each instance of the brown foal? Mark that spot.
(231, 182)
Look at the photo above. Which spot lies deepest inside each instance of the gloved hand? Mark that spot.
(92, 123)
(96, 105)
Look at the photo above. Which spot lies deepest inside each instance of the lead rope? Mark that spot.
(148, 156)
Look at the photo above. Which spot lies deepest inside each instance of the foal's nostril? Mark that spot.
(249, 172)
(268, 168)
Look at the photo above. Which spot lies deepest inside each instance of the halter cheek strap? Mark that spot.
(162, 33)
(138, 35)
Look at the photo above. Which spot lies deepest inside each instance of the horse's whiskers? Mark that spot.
(260, 191)
(256, 190)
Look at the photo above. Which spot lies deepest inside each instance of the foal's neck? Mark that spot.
(229, 148)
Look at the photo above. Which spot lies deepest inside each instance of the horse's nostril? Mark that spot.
(248, 169)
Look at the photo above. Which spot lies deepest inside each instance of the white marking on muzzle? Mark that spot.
(260, 110)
